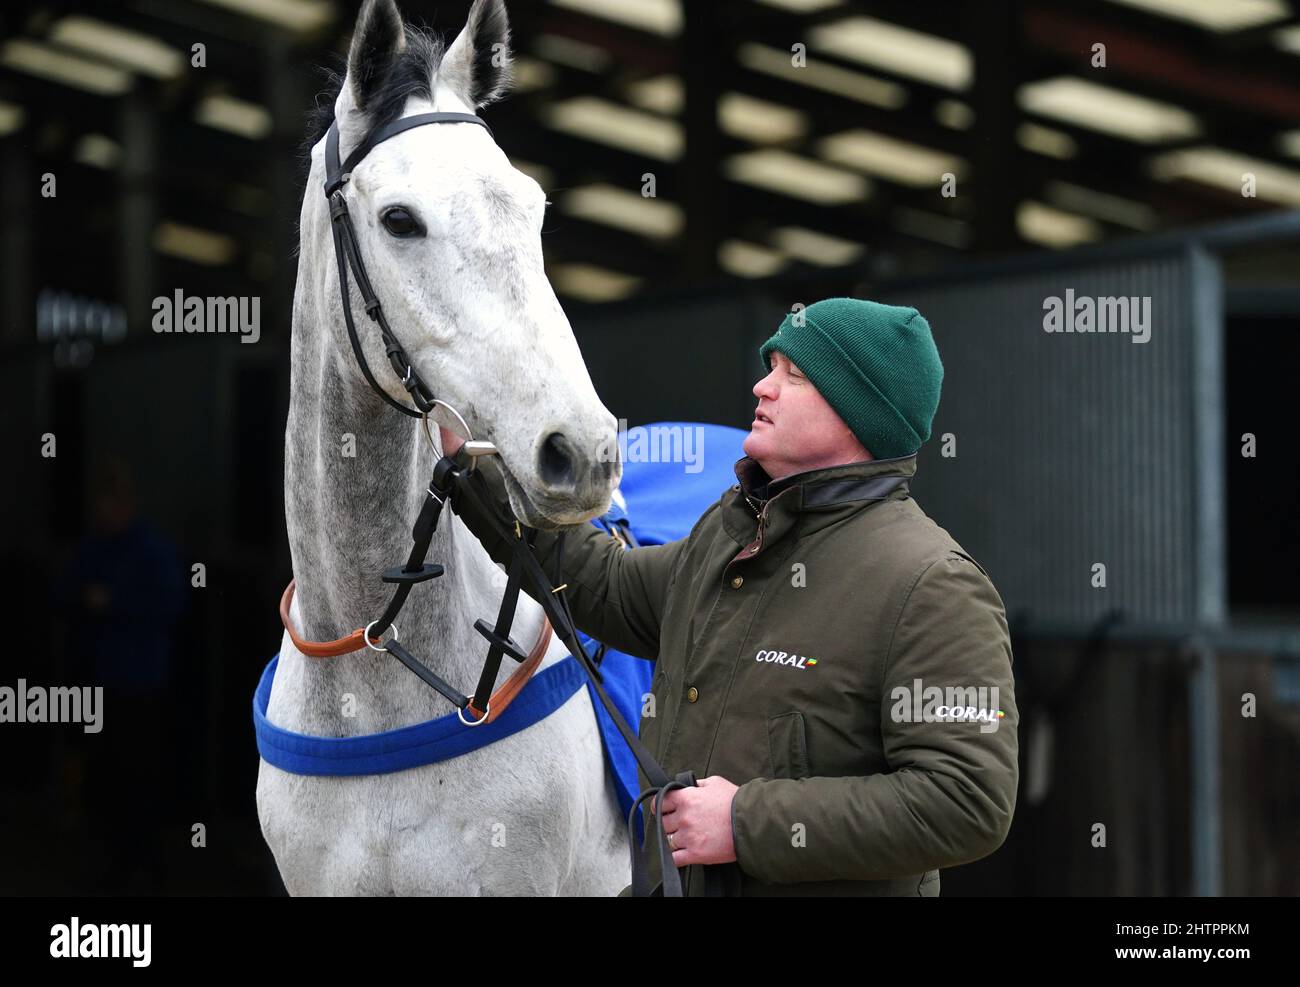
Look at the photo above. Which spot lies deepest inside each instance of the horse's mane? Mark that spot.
(412, 75)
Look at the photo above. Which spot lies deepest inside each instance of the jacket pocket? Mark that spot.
(788, 745)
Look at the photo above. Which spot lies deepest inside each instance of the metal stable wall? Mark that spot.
(1075, 449)
(683, 357)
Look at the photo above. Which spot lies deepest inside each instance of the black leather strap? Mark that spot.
(348, 255)
(563, 626)
(453, 696)
(341, 254)
(403, 125)
(336, 173)
(557, 610)
(421, 537)
(505, 620)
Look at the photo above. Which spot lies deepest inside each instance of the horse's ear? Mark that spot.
(477, 65)
(377, 41)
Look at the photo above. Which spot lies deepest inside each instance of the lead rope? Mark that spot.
(672, 886)
(449, 482)
(556, 608)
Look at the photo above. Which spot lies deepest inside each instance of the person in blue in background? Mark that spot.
(124, 591)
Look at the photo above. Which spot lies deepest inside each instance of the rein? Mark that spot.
(455, 477)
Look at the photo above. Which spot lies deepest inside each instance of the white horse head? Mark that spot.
(450, 233)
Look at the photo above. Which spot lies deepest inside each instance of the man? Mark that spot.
(829, 662)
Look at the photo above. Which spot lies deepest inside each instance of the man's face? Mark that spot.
(794, 428)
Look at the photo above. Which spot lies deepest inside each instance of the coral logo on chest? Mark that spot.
(785, 658)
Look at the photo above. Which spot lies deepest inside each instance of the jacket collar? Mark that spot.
(828, 493)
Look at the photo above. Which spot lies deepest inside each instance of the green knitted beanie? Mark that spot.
(875, 364)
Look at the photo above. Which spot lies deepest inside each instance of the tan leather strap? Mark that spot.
(501, 698)
(318, 649)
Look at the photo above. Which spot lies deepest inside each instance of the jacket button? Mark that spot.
(736, 583)
(692, 694)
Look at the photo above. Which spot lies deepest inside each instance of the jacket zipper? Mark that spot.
(762, 517)
(757, 545)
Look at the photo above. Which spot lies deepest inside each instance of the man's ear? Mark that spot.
(477, 65)
(377, 41)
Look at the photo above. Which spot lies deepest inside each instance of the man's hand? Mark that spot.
(699, 821)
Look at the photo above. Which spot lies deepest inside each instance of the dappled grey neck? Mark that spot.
(349, 518)
(353, 469)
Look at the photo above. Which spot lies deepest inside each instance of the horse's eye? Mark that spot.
(400, 222)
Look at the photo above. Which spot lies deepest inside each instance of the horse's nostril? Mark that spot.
(555, 462)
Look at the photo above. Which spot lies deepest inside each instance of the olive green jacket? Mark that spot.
(795, 632)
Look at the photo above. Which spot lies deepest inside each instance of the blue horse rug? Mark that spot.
(672, 473)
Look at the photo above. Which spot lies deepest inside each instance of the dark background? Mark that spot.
(1130, 705)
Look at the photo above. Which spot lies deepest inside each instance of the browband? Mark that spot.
(336, 173)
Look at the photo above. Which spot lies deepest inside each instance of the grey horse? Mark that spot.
(534, 813)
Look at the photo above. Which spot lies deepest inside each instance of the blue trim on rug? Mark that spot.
(408, 747)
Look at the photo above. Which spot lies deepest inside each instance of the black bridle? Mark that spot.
(456, 477)
(348, 255)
